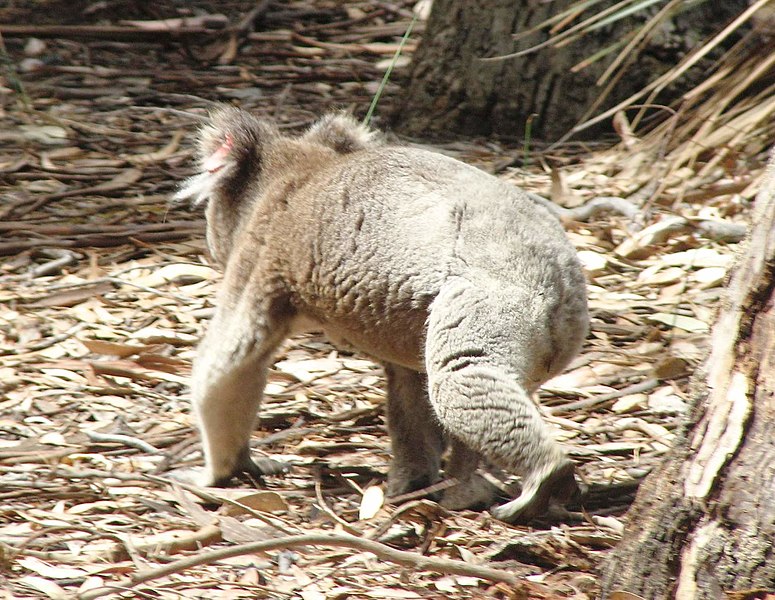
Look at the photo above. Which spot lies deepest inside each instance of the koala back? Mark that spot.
(360, 236)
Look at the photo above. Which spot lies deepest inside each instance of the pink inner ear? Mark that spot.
(217, 159)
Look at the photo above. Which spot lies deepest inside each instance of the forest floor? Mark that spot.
(105, 290)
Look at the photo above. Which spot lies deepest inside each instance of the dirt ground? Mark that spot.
(105, 289)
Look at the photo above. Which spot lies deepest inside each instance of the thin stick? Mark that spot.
(637, 388)
(329, 511)
(386, 553)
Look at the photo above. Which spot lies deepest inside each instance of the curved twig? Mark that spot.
(382, 551)
(714, 229)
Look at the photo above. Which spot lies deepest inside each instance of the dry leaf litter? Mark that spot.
(105, 289)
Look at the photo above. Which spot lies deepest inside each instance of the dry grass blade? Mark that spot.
(673, 74)
(606, 16)
(602, 53)
(640, 38)
(711, 126)
(559, 20)
(621, 14)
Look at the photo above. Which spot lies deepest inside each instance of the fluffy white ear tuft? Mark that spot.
(342, 133)
(230, 149)
(196, 189)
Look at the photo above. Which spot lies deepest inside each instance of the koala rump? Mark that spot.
(464, 287)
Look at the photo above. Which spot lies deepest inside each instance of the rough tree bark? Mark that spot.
(703, 524)
(453, 92)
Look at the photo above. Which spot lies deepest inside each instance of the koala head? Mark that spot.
(239, 155)
(230, 150)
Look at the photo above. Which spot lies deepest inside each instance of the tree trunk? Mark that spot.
(703, 524)
(453, 92)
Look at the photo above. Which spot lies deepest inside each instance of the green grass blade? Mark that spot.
(386, 77)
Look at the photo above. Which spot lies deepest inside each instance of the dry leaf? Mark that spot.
(709, 277)
(622, 126)
(689, 324)
(262, 501)
(215, 21)
(371, 502)
(621, 595)
(665, 401)
(560, 193)
(656, 275)
(53, 438)
(121, 181)
(698, 258)
(74, 296)
(50, 571)
(309, 370)
(610, 522)
(629, 403)
(178, 273)
(50, 135)
(446, 584)
(391, 593)
(594, 263)
(189, 503)
(111, 348)
(657, 233)
(238, 532)
(45, 586)
(91, 583)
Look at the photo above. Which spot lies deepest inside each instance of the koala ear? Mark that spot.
(229, 148)
(342, 133)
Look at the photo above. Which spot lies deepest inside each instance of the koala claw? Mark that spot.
(559, 485)
(256, 469)
(404, 483)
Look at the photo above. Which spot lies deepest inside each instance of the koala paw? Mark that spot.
(560, 485)
(475, 493)
(405, 481)
(245, 465)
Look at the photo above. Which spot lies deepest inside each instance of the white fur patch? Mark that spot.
(198, 188)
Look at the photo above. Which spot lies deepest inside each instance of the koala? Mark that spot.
(462, 286)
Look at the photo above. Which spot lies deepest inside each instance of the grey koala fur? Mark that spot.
(461, 285)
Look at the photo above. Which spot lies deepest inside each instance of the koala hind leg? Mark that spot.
(227, 386)
(478, 353)
(416, 438)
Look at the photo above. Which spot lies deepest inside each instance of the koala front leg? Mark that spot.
(228, 381)
(415, 435)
